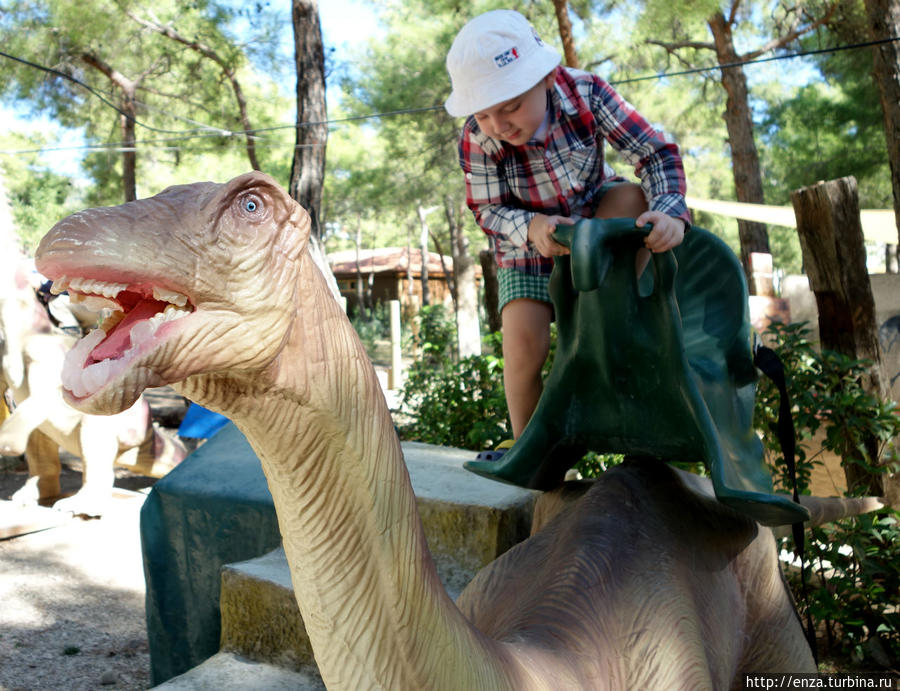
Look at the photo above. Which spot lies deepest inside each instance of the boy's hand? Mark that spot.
(540, 230)
(668, 232)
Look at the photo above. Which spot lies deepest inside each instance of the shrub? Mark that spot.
(450, 401)
(856, 595)
(371, 328)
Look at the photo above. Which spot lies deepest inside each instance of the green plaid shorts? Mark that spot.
(516, 284)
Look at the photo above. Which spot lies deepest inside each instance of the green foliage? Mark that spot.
(595, 464)
(827, 130)
(856, 595)
(437, 336)
(38, 202)
(38, 197)
(370, 329)
(449, 402)
(826, 391)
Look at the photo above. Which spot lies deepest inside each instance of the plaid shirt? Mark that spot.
(507, 185)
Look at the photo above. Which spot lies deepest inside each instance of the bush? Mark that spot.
(856, 596)
(450, 401)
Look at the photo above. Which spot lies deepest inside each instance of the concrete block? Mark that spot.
(225, 671)
(260, 618)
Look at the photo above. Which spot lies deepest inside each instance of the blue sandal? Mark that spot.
(495, 453)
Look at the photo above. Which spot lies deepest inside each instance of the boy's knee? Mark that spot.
(524, 347)
(526, 332)
(626, 200)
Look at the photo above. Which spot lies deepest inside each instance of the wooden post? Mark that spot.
(396, 378)
(489, 277)
(834, 257)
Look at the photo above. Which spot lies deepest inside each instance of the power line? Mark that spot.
(212, 131)
(103, 99)
(757, 61)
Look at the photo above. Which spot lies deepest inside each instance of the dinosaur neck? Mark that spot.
(374, 608)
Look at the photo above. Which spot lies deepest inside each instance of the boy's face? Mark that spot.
(516, 120)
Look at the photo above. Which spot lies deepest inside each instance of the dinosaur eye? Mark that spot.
(251, 204)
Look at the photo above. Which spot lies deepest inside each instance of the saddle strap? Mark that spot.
(770, 364)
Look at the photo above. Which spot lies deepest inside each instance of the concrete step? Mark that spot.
(260, 618)
(469, 521)
(230, 671)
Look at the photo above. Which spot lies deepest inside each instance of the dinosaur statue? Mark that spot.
(42, 421)
(643, 582)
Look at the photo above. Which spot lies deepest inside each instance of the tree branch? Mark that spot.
(210, 54)
(732, 12)
(671, 47)
(793, 34)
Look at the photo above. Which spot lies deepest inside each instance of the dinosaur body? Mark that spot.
(643, 583)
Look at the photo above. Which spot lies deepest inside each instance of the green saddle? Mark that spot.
(658, 366)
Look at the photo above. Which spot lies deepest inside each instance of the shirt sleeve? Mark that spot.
(655, 157)
(488, 195)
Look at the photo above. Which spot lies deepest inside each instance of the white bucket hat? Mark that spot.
(495, 57)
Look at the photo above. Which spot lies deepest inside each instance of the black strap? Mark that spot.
(770, 364)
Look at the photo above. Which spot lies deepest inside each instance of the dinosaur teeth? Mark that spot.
(96, 375)
(75, 358)
(91, 287)
(93, 302)
(59, 285)
(91, 363)
(169, 296)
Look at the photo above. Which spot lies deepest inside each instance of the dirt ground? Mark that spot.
(72, 613)
(72, 594)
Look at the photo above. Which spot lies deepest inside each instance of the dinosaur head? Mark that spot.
(178, 271)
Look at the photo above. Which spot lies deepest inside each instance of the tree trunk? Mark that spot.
(127, 116)
(884, 23)
(834, 255)
(129, 146)
(468, 332)
(360, 290)
(491, 289)
(410, 290)
(892, 254)
(308, 166)
(423, 250)
(744, 158)
(565, 32)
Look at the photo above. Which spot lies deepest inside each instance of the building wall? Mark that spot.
(885, 290)
(393, 286)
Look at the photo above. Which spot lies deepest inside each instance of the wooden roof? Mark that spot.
(393, 260)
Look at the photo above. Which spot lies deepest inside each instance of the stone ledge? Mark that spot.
(229, 671)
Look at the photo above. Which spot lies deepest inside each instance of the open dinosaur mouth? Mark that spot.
(139, 314)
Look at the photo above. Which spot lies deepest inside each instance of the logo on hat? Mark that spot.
(507, 57)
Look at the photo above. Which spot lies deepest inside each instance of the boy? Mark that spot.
(531, 151)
